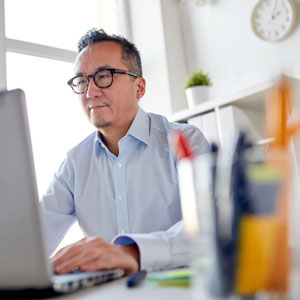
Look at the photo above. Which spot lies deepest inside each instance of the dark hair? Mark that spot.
(130, 54)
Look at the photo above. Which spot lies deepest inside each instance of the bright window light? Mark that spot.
(57, 122)
(58, 23)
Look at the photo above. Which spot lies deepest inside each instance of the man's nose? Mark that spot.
(93, 91)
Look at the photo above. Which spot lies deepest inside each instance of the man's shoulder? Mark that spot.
(84, 146)
(160, 126)
(161, 123)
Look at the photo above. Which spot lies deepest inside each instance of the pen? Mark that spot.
(136, 278)
(187, 186)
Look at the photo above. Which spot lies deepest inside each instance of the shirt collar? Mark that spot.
(98, 142)
(140, 127)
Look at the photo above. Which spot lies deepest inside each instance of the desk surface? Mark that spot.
(117, 290)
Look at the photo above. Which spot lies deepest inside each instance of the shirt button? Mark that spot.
(119, 165)
(123, 231)
(120, 197)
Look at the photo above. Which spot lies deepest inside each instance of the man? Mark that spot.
(120, 183)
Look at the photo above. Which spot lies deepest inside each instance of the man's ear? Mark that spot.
(141, 87)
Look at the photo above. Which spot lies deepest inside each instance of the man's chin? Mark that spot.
(100, 125)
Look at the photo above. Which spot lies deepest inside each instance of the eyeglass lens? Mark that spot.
(102, 79)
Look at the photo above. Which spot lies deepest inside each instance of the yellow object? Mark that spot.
(257, 239)
(178, 277)
(178, 282)
(264, 258)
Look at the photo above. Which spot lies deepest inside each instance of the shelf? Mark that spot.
(251, 98)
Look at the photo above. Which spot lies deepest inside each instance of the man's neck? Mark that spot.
(111, 138)
(112, 135)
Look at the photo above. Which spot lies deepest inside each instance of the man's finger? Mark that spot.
(111, 260)
(79, 253)
(67, 253)
(87, 254)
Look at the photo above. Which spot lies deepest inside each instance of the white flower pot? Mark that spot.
(197, 94)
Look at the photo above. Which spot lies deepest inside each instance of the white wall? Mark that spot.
(156, 30)
(178, 37)
(147, 34)
(219, 40)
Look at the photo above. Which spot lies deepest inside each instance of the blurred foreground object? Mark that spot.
(282, 128)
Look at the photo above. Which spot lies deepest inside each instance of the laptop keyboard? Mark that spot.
(73, 281)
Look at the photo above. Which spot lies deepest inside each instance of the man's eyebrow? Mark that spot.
(98, 69)
(103, 67)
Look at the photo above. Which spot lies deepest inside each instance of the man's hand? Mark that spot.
(94, 254)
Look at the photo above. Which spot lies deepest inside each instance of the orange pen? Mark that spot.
(280, 127)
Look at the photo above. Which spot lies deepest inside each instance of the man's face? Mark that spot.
(115, 106)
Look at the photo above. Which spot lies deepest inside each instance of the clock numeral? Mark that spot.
(272, 19)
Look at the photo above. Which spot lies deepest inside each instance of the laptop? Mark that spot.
(24, 266)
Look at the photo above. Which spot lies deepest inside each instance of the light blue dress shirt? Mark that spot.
(125, 198)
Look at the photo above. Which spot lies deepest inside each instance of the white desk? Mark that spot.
(117, 290)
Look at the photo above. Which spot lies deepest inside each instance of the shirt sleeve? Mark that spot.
(159, 250)
(197, 140)
(58, 206)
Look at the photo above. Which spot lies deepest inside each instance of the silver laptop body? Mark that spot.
(24, 263)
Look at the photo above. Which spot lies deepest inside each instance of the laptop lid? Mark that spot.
(23, 255)
(24, 266)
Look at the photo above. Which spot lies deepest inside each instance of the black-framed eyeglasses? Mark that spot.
(103, 78)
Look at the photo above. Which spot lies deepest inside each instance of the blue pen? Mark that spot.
(136, 278)
(227, 244)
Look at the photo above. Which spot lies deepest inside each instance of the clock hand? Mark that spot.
(275, 16)
(278, 13)
(274, 9)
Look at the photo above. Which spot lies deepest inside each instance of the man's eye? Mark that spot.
(102, 76)
(79, 81)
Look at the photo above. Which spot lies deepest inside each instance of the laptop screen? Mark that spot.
(23, 256)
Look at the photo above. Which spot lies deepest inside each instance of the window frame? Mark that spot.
(56, 53)
(27, 48)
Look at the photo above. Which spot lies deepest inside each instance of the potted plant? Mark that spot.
(197, 88)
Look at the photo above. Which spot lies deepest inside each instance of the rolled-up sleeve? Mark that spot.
(159, 250)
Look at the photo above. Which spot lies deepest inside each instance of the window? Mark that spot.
(57, 23)
(57, 122)
(38, 43)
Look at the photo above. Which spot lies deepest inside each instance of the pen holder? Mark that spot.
(258, 230)
(239, 226)
(200, 232)
(235, 215)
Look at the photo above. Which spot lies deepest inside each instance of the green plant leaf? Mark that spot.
(197, 78)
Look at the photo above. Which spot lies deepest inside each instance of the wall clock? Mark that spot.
(273, 20)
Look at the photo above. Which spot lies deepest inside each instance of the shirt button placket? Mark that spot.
(120, 192)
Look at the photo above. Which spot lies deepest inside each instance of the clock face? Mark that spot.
(272, 20)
